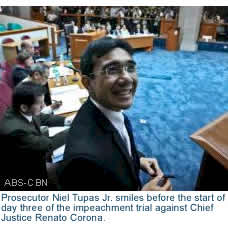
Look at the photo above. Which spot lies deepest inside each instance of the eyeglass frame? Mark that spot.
(123, 67)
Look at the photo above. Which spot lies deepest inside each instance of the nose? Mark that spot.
(125, 76)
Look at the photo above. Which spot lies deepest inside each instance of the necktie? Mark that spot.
(125, 137)
(133, 154)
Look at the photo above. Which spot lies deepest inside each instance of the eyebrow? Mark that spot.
(118, 62)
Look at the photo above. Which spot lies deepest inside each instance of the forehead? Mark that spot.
(115, 55)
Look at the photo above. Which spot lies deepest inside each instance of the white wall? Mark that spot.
(181, 24)
(189, 21)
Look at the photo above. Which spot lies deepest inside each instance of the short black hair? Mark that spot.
(26, 93)
(99, 48)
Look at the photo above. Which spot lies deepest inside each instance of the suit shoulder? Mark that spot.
(11, 123)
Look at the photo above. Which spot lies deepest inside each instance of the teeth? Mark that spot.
(124, 92)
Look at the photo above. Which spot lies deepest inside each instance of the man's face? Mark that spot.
(29, 62)
(30, 49)
(113, 91)
(40, 79)
(36, 108)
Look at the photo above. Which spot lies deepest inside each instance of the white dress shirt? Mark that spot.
(117, 120)
(28, 117)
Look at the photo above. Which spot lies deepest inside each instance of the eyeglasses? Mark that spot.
(116, 68)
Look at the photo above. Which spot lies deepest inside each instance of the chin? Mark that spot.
(124, 106)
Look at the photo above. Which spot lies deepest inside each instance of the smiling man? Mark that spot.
(100, 152)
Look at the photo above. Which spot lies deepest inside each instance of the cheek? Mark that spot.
(135, 82)
(29, 62)
(104, 88)
(95, 86)
(38, 107)
(43, 81)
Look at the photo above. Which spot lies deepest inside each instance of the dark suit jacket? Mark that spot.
(24, 147)
(95, 155)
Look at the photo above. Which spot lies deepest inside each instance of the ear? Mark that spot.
(24, 108)
(86, 82)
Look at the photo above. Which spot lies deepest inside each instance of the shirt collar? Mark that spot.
(28, 117)
(115, 117)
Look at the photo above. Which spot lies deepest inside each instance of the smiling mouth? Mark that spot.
(124, 92)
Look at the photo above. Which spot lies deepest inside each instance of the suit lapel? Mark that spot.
(104, 123)
(35, 123)
(133, 146)
(125, 153)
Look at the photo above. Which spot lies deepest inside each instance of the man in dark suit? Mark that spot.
(24, 147)
(100, 150)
